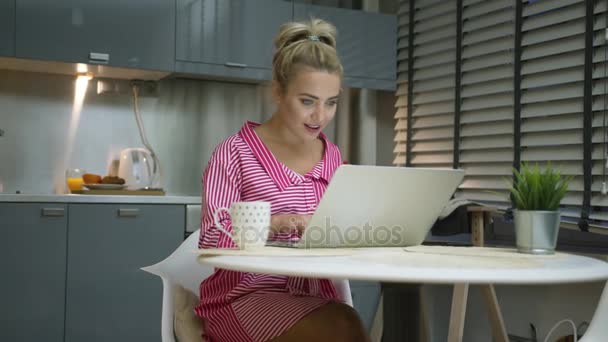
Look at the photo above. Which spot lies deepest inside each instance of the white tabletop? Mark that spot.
(420, 264)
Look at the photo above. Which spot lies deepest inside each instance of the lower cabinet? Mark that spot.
(366, 297)
(108, 297)
(32, 258)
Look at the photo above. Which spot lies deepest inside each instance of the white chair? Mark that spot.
(598, 329)
(182, 268)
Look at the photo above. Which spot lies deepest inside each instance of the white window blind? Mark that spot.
(552, 70)
(552, 85)
(486, 119)
(433, 88)
(434, 81)
(600, 114)
(401, 110)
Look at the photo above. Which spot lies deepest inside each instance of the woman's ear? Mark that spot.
(277, 92)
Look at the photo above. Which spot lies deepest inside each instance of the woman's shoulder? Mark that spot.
(228, 150)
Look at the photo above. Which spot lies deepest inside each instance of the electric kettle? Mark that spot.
(139, 168)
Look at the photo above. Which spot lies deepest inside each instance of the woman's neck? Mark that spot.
(279, 133)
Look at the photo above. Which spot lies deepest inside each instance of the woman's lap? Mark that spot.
(260, 316)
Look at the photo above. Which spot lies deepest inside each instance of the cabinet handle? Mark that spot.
(128, 212)
(53, 212)
(235, 65)
(96, 57)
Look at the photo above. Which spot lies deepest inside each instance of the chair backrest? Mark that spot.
(181, 267)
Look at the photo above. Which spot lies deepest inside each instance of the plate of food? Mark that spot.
(101, 186)
(96, 182)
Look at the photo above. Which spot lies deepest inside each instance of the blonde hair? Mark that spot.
(311, 44)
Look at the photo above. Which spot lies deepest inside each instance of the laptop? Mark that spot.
(378, 206)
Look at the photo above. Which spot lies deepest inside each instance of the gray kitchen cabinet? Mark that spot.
(366, 297)
(133, 34)
(32, 258)
(7, 28)
(228, 38)
(108, 297)
(367, 44)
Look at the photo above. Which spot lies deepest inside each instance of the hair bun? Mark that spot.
(302, 31)
(311, 44)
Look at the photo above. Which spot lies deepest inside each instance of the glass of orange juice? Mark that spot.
(73, 178)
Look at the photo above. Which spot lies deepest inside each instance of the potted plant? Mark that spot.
(536, 196)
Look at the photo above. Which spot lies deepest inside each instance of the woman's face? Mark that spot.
(309, 102)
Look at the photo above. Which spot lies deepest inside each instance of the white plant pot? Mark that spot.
(536, 231)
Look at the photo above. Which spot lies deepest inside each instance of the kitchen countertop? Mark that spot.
(67, 198)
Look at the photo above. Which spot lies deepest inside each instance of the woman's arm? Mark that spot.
(221, 187)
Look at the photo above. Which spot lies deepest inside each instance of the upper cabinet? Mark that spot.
(7, 27)
(218, 39)
(114, 32)
(228, 38)
(367, 44)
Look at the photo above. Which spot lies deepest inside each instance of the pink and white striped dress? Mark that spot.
(239, 306)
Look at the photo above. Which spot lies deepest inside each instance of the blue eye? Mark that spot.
(307, 102)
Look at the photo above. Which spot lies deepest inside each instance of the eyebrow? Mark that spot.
(316, 98)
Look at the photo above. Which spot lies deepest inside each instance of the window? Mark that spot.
(485, 84)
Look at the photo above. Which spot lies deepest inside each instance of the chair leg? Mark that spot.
(477, 228)
(457, 313)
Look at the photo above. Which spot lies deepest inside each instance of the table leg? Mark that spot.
(457, 312)
(378, 322)
(499, 332)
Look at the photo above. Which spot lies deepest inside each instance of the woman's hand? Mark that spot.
(288, 223)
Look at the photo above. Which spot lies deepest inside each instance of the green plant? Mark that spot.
(534, 189)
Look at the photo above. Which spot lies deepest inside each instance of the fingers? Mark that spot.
(289, 223)
(296, 222)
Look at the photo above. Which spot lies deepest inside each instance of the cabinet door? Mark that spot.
(7, 27)
(366, 297)
(108, 297)
(367, 42)
(32, 259)
(135, 34)
(231, 33)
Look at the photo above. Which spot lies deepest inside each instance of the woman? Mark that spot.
(287, 161)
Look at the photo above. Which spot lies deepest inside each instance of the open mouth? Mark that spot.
(313, 128)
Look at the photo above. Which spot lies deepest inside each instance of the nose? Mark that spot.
(318, 113)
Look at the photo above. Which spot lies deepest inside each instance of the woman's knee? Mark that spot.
(345, 316)
(332, 322)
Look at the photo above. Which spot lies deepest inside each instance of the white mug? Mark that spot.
(250, 223)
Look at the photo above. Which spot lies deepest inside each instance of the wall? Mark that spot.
(184, 122)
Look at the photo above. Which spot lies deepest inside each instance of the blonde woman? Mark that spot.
(288, 162)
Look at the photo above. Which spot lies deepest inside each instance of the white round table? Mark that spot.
(422, 264)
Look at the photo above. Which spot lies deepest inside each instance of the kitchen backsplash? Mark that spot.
(184, 123)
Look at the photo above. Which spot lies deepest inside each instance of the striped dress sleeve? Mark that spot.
(221, 187)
